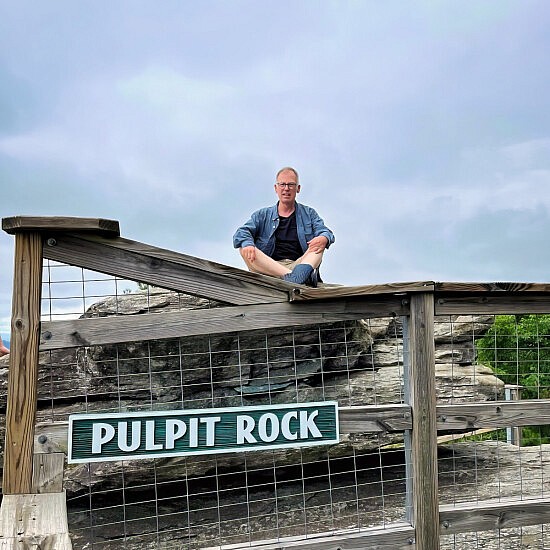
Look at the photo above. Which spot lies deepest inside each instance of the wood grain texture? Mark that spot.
(23, 372)
(98, 226)
(398, 536)
(375, 418)
(493, 414)
(118, 329)
(51, 437)
(48, 472)
(424, 432)
(491, 287)
(489, 515)
(333, 292)
(34, 521)
(166, 269)
(186, 260)
(494, 304)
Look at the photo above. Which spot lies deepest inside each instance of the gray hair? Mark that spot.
(289, 169)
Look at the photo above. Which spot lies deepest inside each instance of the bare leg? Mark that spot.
(266, 265)
(3, 349)
(314, 259)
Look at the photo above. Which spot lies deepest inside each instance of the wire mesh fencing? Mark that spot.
(519, 538)
(239, 499)
(231, 498)
(508, 360)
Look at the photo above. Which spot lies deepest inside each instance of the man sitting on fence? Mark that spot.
(286, 240)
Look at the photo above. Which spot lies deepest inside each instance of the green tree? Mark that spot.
(517, 348)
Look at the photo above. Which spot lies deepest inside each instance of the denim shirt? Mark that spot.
(260, 229)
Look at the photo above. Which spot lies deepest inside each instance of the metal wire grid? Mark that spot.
(459, 376)
(520, 538)
(68, 292)
(490, 356)
(257, 498)
(311, 494)
(238, 498)
(246, 501)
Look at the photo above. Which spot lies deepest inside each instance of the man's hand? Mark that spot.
(317, 244)
(249, 253)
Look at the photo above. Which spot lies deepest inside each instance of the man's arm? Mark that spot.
(321, 231)
(246, 234)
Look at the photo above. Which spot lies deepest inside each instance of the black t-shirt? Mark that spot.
(287, 245)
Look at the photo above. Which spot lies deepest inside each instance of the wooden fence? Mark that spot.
(33, 501)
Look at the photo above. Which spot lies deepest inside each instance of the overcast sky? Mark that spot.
(420, 129)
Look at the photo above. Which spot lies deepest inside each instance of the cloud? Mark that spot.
(421, 133)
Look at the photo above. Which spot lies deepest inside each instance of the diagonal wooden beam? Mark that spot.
(164, 268)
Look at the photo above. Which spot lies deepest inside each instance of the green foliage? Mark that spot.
(530, 435)
(517, 348)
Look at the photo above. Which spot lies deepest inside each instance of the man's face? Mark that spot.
(287, 187)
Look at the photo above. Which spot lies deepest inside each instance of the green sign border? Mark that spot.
(214, 431)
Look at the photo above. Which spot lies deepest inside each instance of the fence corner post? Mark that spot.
(23, 370)
(424, 433)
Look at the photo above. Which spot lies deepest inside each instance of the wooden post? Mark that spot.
(23, 373)
(424, 431)
(513, 434)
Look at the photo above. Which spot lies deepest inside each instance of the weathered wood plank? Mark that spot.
(493, 414)
(31, 518)
(199, 264)
(51, 437)
(134, 261)
(118, 329)
(99, 226)
(424, 432)
(23, 372)
(332, 292)
(47, 475)
(490, 515)
(494, 304)
(490, 287)
(398, 536)
(375, 418)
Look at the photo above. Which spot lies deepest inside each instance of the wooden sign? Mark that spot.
(129, 436)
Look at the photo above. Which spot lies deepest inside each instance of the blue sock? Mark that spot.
(299, 275)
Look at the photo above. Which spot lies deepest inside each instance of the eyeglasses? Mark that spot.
(287, 185)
